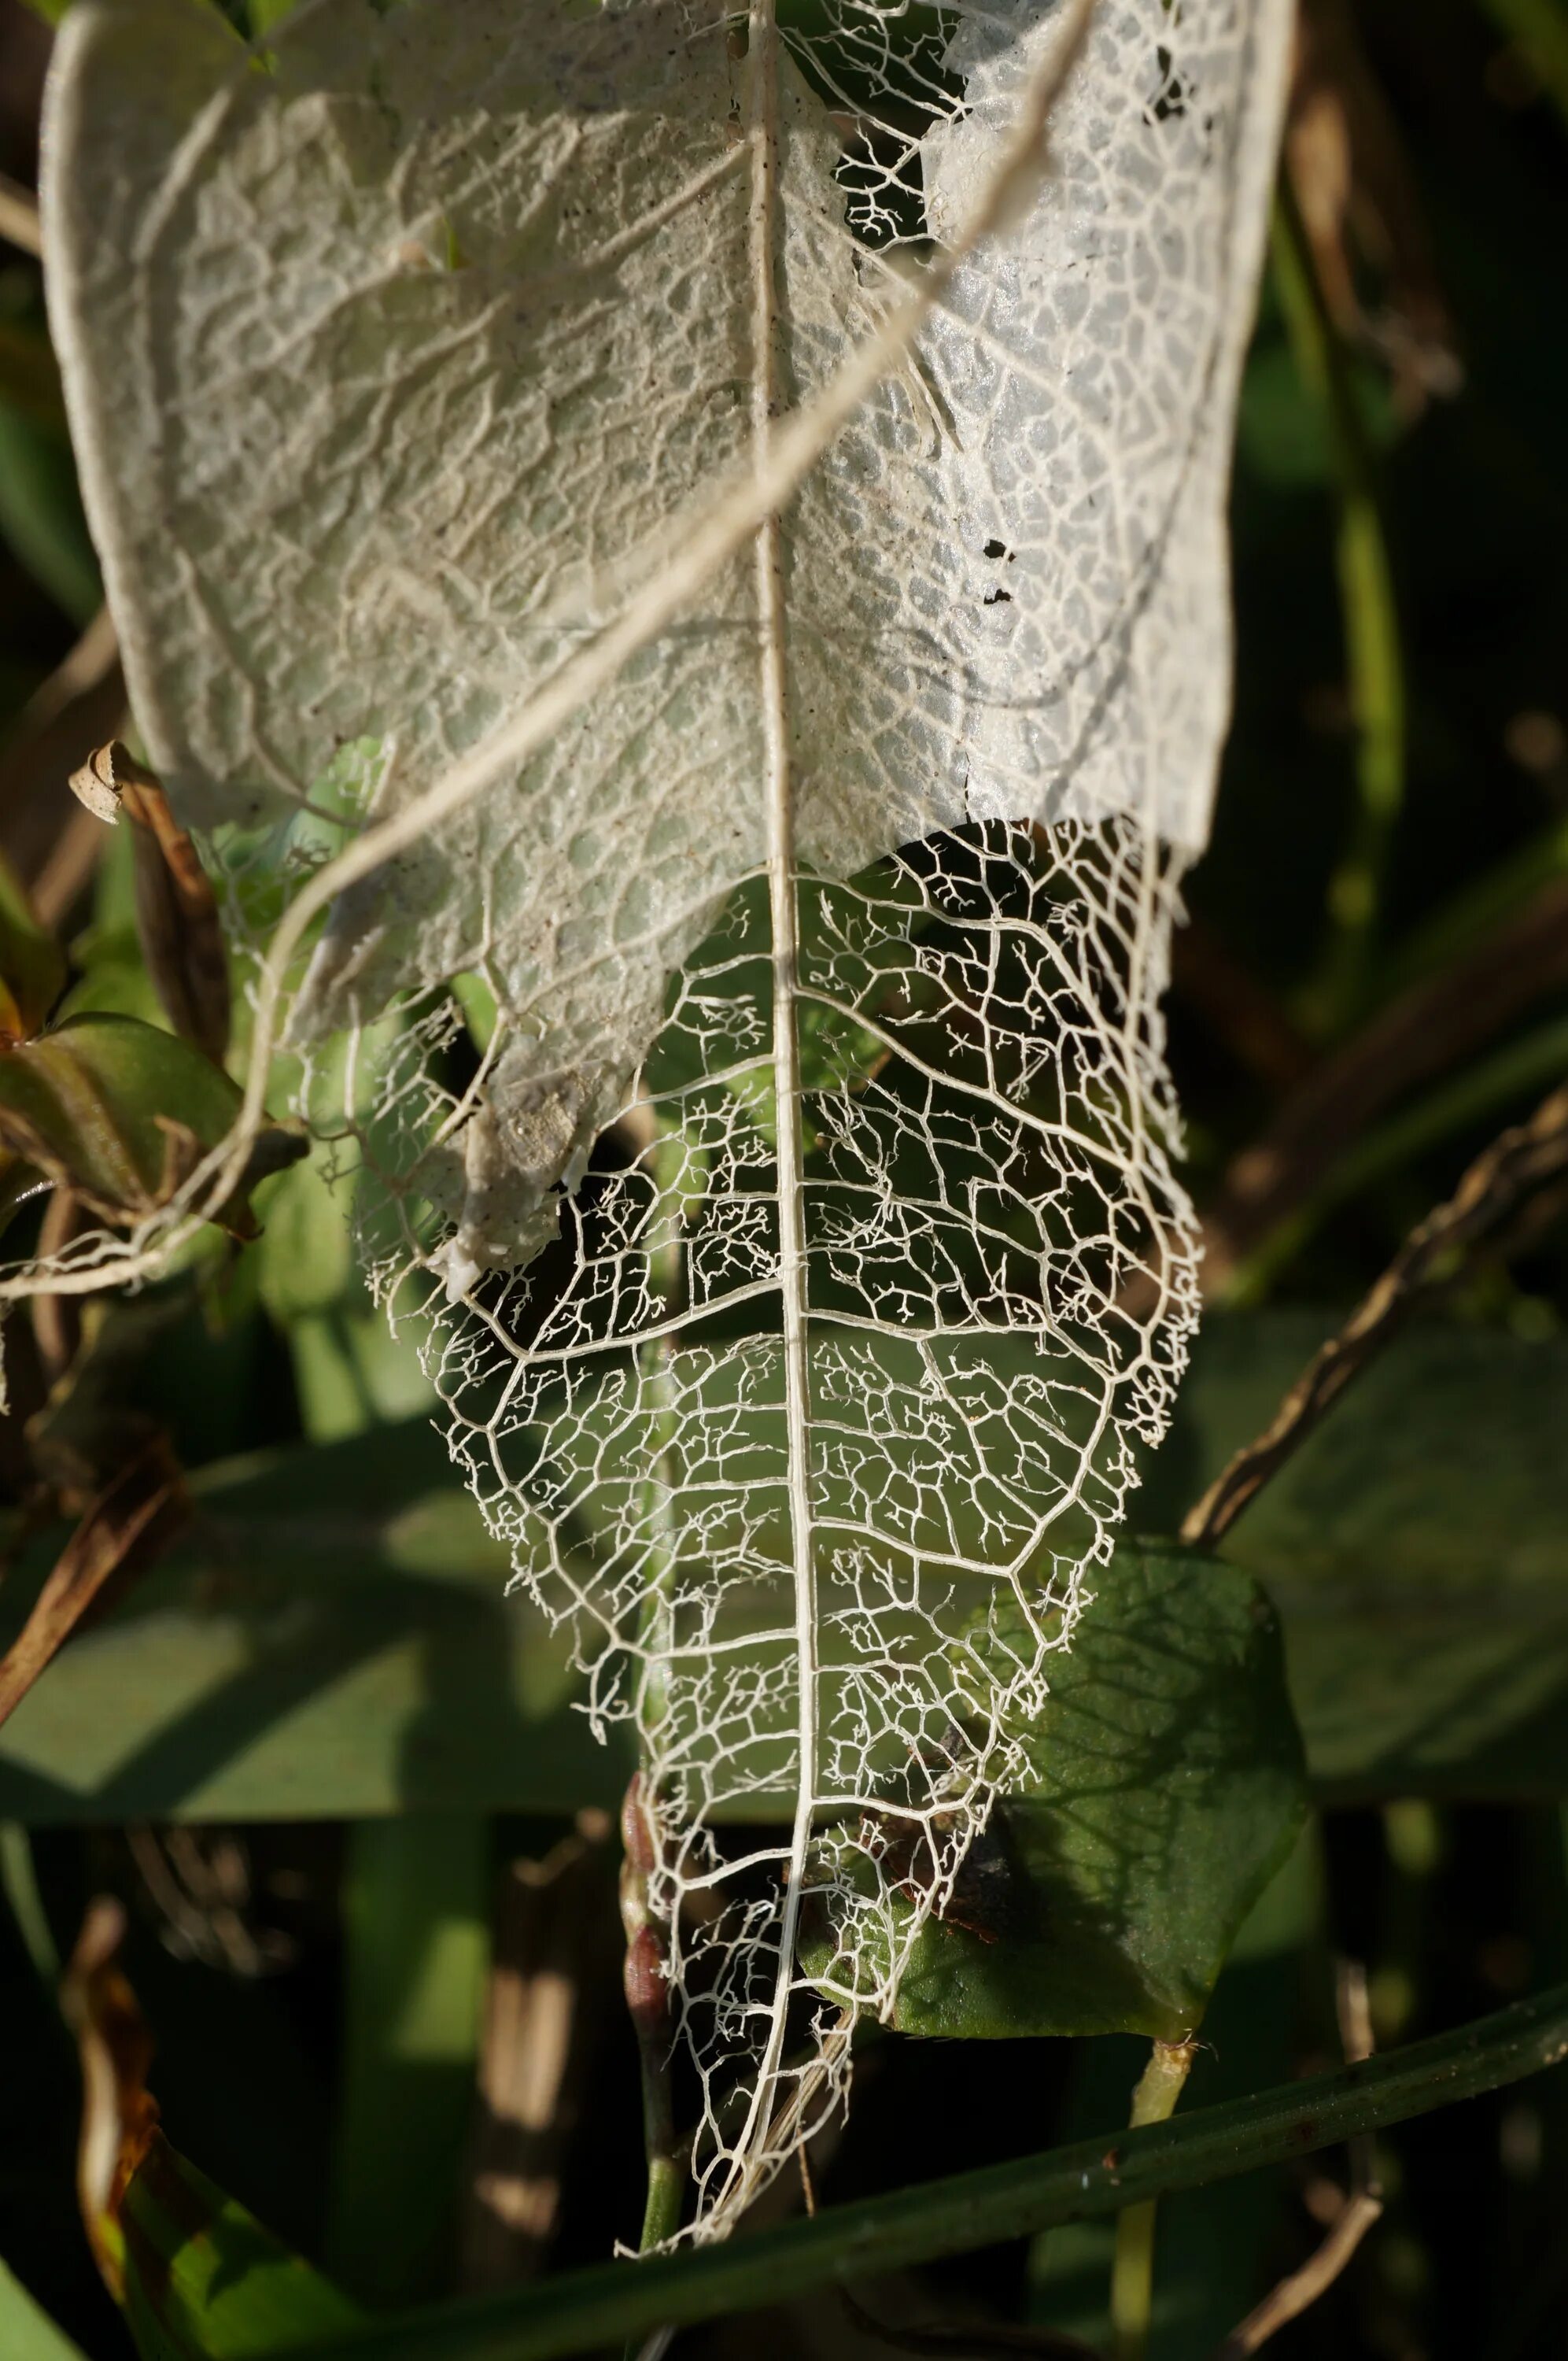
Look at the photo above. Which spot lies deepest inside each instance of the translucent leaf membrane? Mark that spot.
(391, 366)
(812, 1181)
(997, 1289)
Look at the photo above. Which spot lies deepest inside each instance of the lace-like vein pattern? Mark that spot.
(1000, 1286)
(389, 368)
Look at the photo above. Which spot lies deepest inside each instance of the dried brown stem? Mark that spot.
(176, 913)
(133, 1517)
(646, 1983)
(19, 216)
(1362, 210)
(57, 1322)
(1293, 2295)
(1528, 1157)
(1423, 1033)
(1356, 2212)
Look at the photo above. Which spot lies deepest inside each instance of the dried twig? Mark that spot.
(1423, 1033)
(1356, 2212)
(1293, 2295)
(19, 216)
(138, 1511)
(1526, 1157)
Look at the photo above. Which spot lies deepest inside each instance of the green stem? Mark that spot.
(667, 2198)
(1132, 2268)
(1374, 665)
(416, 1951)
(584, 2309)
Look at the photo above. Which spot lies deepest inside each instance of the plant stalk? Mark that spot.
(585, 2310)
(1132, 2267)
(1373, 662)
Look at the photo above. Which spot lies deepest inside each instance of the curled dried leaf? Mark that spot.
(181, 934)
(119, 2115)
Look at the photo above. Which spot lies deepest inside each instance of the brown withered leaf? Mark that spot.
(191, 2269)
(119, 2115)
(135, 1517)
(181, 936)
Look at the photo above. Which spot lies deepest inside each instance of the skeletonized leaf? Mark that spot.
(399, 361)
(389, 368)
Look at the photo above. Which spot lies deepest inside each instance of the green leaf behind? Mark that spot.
(1171, 1789)
(26, 2332)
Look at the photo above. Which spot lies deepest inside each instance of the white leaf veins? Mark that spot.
(804, 1259)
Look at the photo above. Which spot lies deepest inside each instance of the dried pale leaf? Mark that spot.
(394, 370)
(95, 787)
(193, 2272)
(119, 2117)
(412, 346)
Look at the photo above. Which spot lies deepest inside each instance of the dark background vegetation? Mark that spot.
(1379, 1044)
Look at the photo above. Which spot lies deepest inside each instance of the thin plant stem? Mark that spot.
(1361, 2211)
(583, 2310)
(1529, 1158)
(1374, 662)
(1132, 2265)
(19, 1882)
(1523, 1065)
